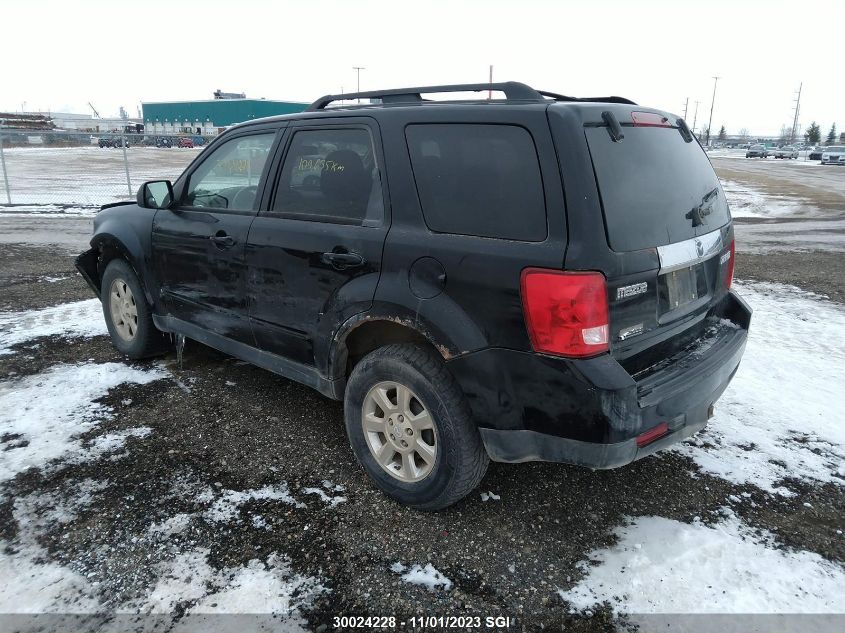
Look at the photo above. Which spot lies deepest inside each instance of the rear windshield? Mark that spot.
(655, 188)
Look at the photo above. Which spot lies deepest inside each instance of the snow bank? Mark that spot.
(42, 416)
(781, 415)
(664, 566)
(71, 320)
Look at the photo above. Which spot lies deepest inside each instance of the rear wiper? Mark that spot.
(698, 214)
(613, 126)
(683, 128)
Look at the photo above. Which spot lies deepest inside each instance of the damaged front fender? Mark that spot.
(86, 264)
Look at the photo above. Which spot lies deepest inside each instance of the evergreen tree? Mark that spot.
(814, 134)
(723, 135)
(831, 136)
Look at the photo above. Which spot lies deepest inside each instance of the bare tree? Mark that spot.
(743, 134)
(785, 134)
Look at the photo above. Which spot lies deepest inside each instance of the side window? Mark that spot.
(231, 176)
(330, 175)
(478, 180)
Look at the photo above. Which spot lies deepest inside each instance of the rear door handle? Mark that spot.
(222, 240)
(342, 260)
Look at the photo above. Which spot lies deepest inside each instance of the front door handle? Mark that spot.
(342, 261)
(222, 240)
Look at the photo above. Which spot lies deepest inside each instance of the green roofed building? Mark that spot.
(210, 117)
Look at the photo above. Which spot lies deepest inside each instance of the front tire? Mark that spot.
(128, 317)
(411, 429)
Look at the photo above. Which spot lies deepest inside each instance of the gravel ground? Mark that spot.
(227, 425)
(220, 425)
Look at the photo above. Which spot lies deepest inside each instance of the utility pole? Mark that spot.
(5, 173)
(490, 92)
(359, 69)
(797, 109)
(695, 118)
(686, 105)
(712, 103)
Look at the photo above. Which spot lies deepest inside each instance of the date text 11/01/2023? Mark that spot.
(467, 622)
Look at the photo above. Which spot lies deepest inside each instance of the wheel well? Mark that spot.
(372, 335)
(107, 251)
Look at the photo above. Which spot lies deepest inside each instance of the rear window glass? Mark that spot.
(655, 188)
(478, 180)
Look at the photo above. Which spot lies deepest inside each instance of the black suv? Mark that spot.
(535, 277)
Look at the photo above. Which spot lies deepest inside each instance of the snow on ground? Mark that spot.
(427, 576)
(331, 500)
(27, 210)
(71, 320)
(781, 416)
(42, 416)
(226, 508)
(747, 202)
(664, 566)
(186, 580)
(257, 587)
(87, 176)
(31, 582)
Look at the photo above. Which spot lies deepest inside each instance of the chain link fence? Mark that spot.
(63, 171)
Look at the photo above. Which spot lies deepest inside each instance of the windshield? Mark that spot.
(757, 147)
(836, 149)
(655, 188)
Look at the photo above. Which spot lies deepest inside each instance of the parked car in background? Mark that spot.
(199, 141)
(815, 153)
(757, 151)
(104, 142)
(787, 151)
(163, 141)
(186, 142)
(594, 326)
(834, 155)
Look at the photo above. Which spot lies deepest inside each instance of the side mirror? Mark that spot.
(156, 194)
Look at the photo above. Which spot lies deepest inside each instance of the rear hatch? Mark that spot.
(659, 196)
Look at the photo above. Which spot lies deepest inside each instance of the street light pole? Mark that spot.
(712, 103)
(359, 69)
(695, 117)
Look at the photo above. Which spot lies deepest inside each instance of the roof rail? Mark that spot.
(513, 91)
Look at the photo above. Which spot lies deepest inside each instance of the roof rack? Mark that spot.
(612, 99)
(514, 91)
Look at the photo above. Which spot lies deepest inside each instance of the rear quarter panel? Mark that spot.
(478, 304)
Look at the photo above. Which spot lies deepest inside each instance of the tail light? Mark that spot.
(729, 273)
(565, 312)
(649, 119)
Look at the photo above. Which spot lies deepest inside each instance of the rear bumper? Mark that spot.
(532, 407)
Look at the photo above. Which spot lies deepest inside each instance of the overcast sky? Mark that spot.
(61, 55)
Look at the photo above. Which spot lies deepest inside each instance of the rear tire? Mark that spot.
(431, 449)
(128, 316)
